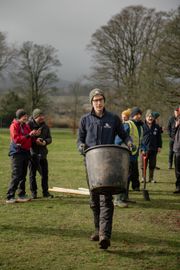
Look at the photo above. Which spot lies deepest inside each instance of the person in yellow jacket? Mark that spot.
(133, 127)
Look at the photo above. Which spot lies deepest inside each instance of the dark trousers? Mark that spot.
(177, 169)
(134, 174)
(133, 178)
(40, 165)
(19, 164)
(103, 209)
(171, 153)
(151, 160)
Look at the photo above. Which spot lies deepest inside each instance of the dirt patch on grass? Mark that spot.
(169, 220)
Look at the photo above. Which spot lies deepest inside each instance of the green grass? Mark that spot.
(54, 233)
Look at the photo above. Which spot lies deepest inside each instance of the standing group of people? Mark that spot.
(28, 148)
(102, 127)
(147, 141)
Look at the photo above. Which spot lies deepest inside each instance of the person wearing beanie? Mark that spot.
(151, 143)
(135, 111)
(99, 127)
(170, 128)
(96, 92)
(20, 113)
(133, 127)
(38, 161)
(21, 141)
(36, 113)
(155, 115)
(125, 115)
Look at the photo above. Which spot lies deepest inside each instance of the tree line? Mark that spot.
(136, 60)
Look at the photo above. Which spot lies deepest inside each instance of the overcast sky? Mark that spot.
(67, 25)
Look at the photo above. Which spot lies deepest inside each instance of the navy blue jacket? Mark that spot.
(152, 139)
(94, 130)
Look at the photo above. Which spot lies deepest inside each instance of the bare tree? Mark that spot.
(37, 72)
(169, 49)
(7, 53)
(122, 45)
(75, 107)
(9, 104)
(169, 58)
(160, 74)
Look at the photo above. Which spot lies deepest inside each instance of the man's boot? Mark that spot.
(95, 235)
(104, 242)
(151, 176)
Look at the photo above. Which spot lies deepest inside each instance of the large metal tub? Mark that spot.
(107, 168)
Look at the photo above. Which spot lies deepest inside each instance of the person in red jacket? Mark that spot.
(21, 141)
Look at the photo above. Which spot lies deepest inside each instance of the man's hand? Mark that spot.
(35, 132)
(82, 148)
(131, 146)
(144, 153)
(40, 141)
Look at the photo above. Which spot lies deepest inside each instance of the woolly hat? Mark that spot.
(149, 113)
(20, 113)
(135, 110)
(177, 108)
(155, 115)
(96, 92)
(127, 112)
(36, 113)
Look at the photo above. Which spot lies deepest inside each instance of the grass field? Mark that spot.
(54, 233)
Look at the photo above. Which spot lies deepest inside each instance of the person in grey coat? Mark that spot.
(38, 161)
(170, 129)
(176, 149)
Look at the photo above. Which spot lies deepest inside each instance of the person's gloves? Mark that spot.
(143, 150)
(131, 146)
(82, 148)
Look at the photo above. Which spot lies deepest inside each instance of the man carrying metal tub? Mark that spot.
(100, 127)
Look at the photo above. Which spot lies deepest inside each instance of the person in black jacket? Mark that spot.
(170, 128)
(156, 116)
(151, 143)
(96, 128)
(176, 149)
(38, 161)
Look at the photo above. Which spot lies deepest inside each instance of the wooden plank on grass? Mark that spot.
(83, 189)
(69, 191)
